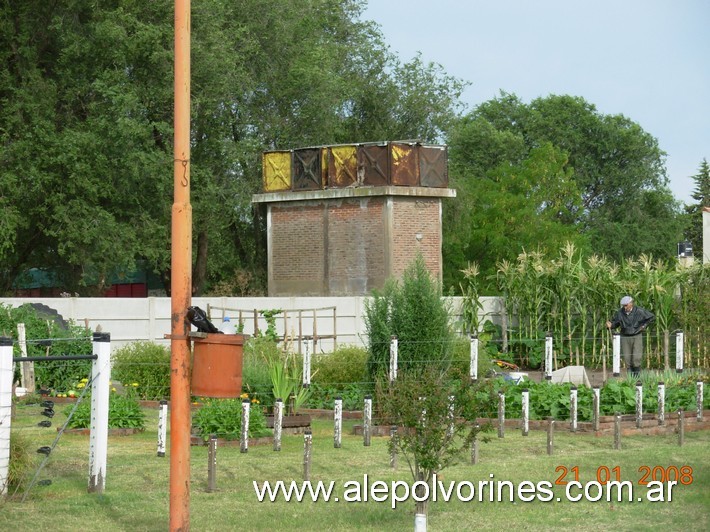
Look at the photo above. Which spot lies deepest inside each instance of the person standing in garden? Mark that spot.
(632, 321)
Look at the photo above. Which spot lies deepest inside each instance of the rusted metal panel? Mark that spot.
(307, 169)
(404, 164)
(342, 166)
(433, 166)
(373, 164)
(276, 170)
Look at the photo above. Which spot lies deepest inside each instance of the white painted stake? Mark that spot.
(661, 403)
(473, 372)
(28, 368)
(244, 436)
(278, 422)
(452, 405)
(394, 349)
(548, 357)
(419, 522)
(616, 362)
(6, 373)
(526, 411)
(162, 427)
(699, 400)
(338, 419)
(307, 366)
(679, 353)
(639, 404)
(100, 388)
(367, 421)
(573, 409)
(501, 415)
(595, 407)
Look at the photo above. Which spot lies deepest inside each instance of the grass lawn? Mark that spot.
(136, 496)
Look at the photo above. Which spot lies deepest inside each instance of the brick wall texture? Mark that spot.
(348, 247)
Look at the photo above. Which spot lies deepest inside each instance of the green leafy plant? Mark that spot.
(48, 335)
(223, 418)
(146, 363)
(345, 365)
(323, 396)
(256, 379)
(124, 411)
(287, 379)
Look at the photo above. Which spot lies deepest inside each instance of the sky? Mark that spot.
(648, 60)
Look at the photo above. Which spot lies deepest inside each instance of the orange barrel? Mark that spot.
(217, 365)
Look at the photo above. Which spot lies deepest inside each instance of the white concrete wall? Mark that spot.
(148, 319)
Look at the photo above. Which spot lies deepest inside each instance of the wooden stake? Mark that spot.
(212, 464)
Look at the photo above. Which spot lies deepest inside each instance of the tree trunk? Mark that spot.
(199, 274)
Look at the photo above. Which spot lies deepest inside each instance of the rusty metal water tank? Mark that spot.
(217, 365)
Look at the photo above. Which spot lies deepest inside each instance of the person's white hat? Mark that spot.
(626, 300)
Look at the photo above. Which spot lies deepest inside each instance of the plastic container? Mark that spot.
(217, 365)
(227, 326)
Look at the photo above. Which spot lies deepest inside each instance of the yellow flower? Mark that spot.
(255, 401)
(84, 380)
(81, 384)
(135, 385)
(113, 389)
(244, 396)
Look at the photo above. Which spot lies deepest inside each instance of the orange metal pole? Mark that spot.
(181, 281)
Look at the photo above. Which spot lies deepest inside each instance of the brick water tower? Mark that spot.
(342, 219)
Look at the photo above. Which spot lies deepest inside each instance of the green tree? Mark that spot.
(86, 125)
(612, 193)
(413, 311)
(490, 219)
(694, 211)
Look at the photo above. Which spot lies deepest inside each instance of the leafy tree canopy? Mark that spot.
(86, 103)
(532, 176)
(694, 211)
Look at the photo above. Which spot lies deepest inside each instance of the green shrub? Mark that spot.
(223, 417)
(415, 312)
(323, 396)
(146, 363)
(47, 335)
(124, 412)
(345, 365)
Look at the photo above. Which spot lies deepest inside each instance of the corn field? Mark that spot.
(571, 297)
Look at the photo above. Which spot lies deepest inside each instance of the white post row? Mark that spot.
(6, 373)
(679, 352)
(100, 387)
